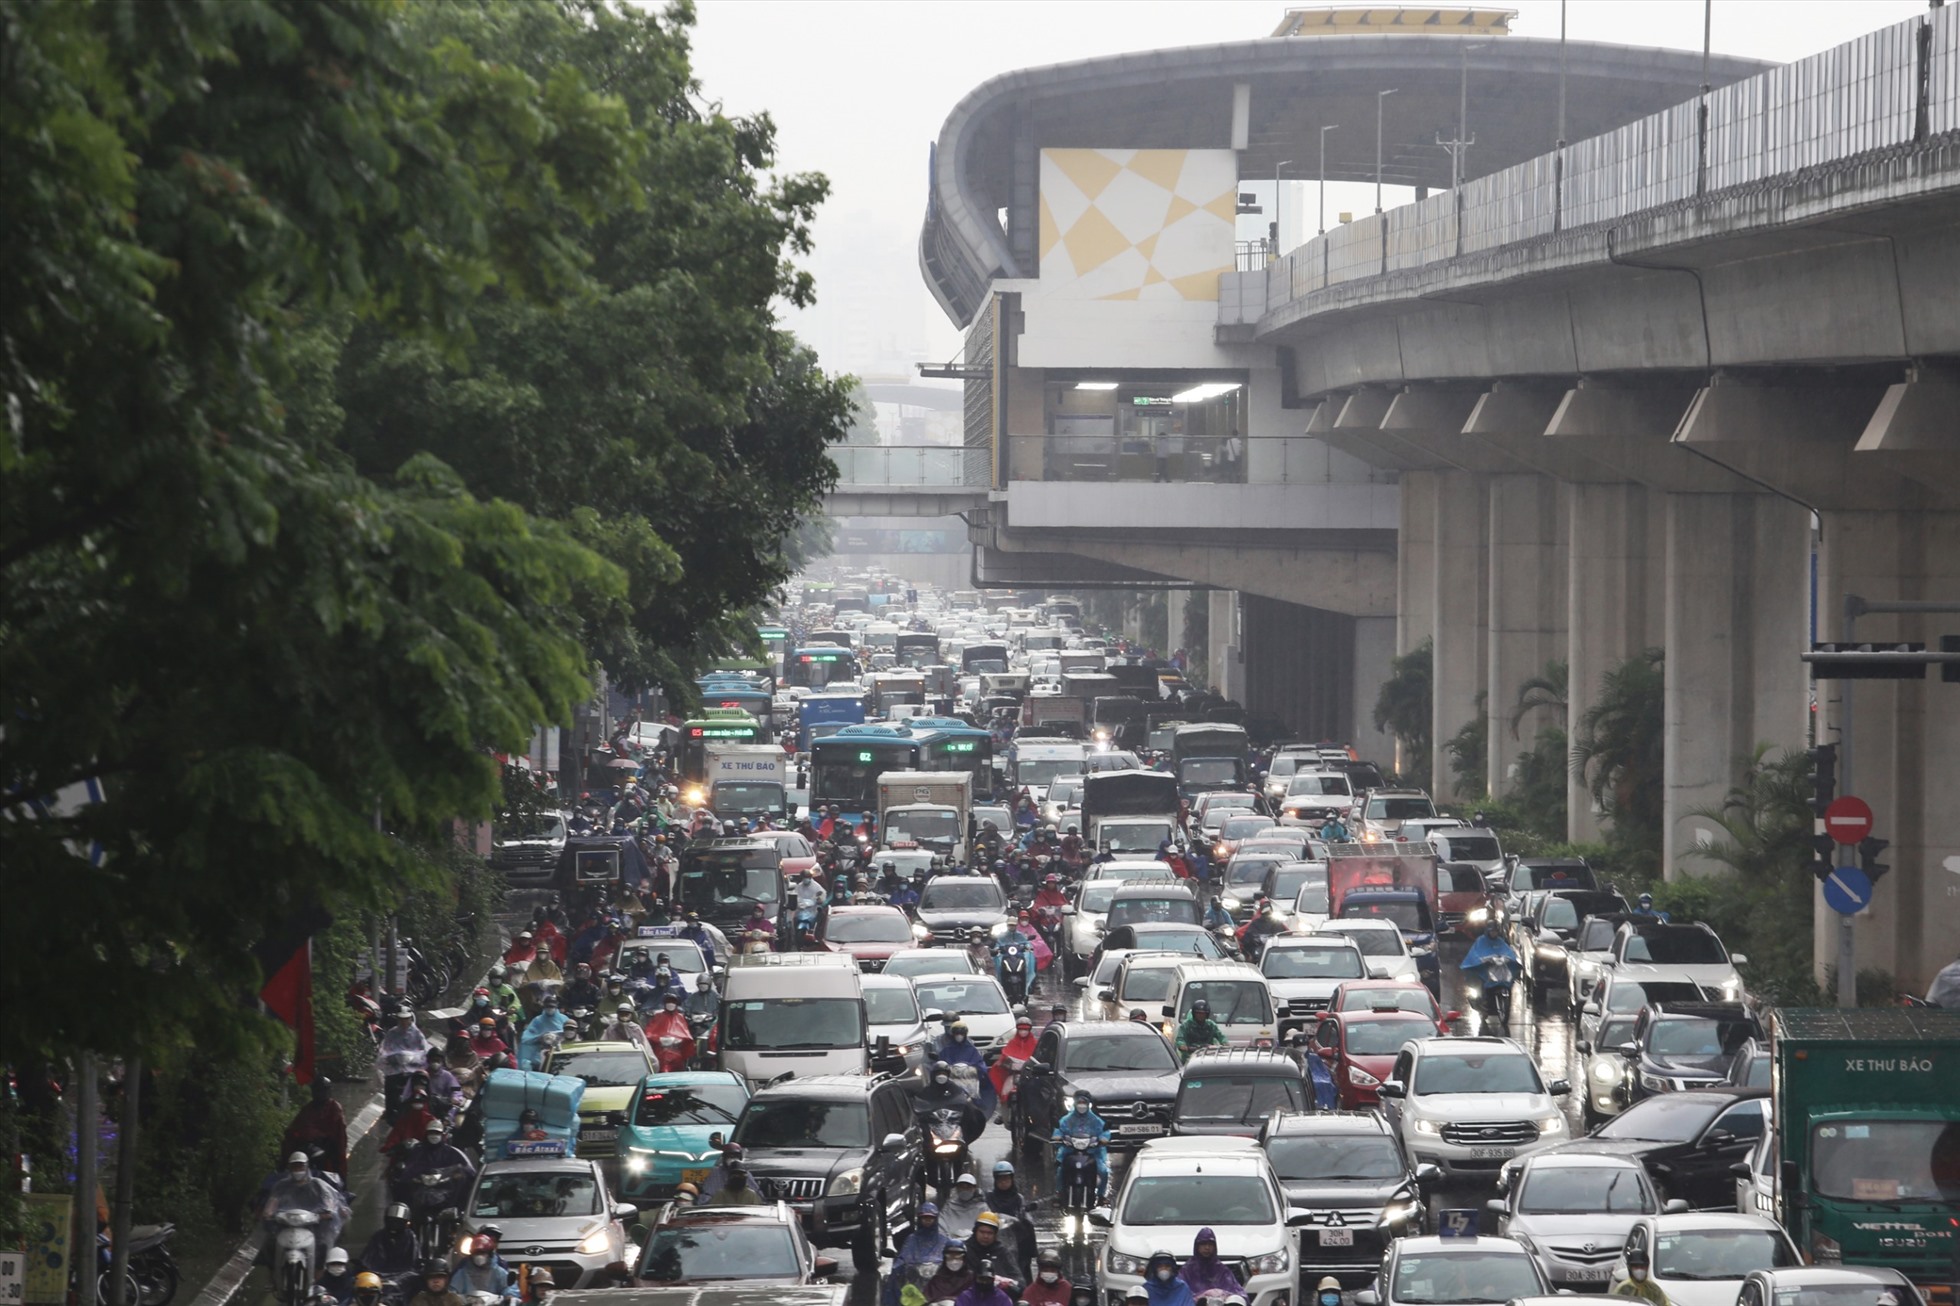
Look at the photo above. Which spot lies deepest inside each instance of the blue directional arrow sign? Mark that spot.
(1848, 891)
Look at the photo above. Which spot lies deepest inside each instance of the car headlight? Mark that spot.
(1732, 990)
(848, 1183)
(465, 1244)
(1120, 1264)
(999, 929)
(599, 1240)
(1422, 950)
(1476, 915)
(1228, 902)
(637, 1162)
(920, 932)
(1400, 1212)
(1270, 1263)
(1361, 1078)
(1550, 1124)
(1605, 1072)
(1428, 1127)
(1655, 1083)
(1068, 1103)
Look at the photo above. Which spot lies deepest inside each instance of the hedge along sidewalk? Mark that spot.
(231, 1276)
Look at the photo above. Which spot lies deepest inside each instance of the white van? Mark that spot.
(1241, 1000)
(795, 1012)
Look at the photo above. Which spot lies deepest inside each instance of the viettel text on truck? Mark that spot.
(1867, 1120)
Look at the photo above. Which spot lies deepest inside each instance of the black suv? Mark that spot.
(724, 879)
(1351, 1189)
(1228, 1092)
(1127, 1066)
(1681, 1045)
(1542, 935)
(957, 907)
(843, 1150)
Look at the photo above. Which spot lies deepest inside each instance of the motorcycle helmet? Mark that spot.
(367, 1286)
(1003, 1169)
(1328, 1293)
(624, 1011)
(957, 1031)
(493, 1232)
(941, 1073)
(1085, 1101)
(928, 1210)
(671, 1000)
(1023, 1023)
(435, 1268)
(1051, 878)
(336, 1256)
(433, 1134)
(397, 1213)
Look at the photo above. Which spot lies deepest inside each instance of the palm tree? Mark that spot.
(1766, 818)
(1618, 748)
(1403, 707)
(1546, 689)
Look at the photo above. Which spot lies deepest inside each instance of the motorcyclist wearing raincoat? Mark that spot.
(299, 1189)
(548, 1022)
(1489, 946)
(670, 1036)
(1082, 1122)
(957, 1050)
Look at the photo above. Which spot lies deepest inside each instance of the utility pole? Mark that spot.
(1323, 176)
(1381, 98)
(132, 1106)
(88, 1137)
(1558, 158)
(1279, 200)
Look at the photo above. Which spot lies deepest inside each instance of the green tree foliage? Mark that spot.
(662, 417)
(1469, 750)
(1547, 689)
(1537, 791)
(258, 632)
(1618, 748)
(1404, 708)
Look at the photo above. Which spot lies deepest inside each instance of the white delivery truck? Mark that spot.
(747, 780)
(925, 809)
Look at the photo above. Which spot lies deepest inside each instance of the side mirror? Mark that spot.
(1100, 1217)
(1104, 995)
(1589, 1009)
(1719, 1138)
(826, 1266)
(1549, 936)
(1497, 1210)
(1675, 1205)
(1627, 1049)
(1392, 1088)
(1377, 970)
(625, 1211)
(1582, 1046)
(1080, 981)
(1740, 1169)
(1170, 1011)
(1559, 1087)
(1068, 909)
(892, 1143)
(1427, 1173)
(1738, 959)
(1367, 1297)
(617, 1119)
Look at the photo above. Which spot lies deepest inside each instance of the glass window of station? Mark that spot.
(1154, 427)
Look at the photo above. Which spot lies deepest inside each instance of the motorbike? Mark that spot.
(1048, 922)
(669, 1053)
(366, 1010)
(1077, 1191)
(702, 1024)
(1499, 973)
(293, 1257)
(585, 1023)
(151, 1264)
(754, 943)
(946, 1149)
(432, 1200)
(1014, 976)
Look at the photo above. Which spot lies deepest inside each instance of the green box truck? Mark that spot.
(1867, 1120)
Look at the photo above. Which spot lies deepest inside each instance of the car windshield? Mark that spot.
(1665, 1117)
(1239, 827)
(733, 1250)
(1374, 943)
(536, 1194)
(1632, 997)
(958, 893)
(1311, 1159)
(1752, 1070)
(1691, 1036)
(871, 927)
(1041, 772)
(891, 1006)
(689, 1104)
(737, 796)
(724, 885)
(793, 1024)
(1065, 791)
(1321, 785)
(966, 997)
(1469, 847)
(804, 1122)
(1596, 935)
(937, 961)
(1233, 1002)
(1095, 896)
(1614, 1031)
(1561, 914)
(1194, 940)
(1209, 770)
(1888, 1160)
(602, 1069)
(1147, 984)
(1687, 946)
(1572, 876)
(1719, 1253)
(1460, 879)
(1091, 1056)
(1584, 1190)
(1288, 881)
(1402, 998)
(1131, 911)
(1436, 1278)
(1214, 1199)
(937, 823)
(1312, 963)
(1867, 1293)
(1497, 1072)
(1219, 1097)
(1406, 913)
(1383, 1038)
(1134, 836)
(1399, 809)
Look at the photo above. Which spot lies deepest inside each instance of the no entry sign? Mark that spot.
(1848, 819)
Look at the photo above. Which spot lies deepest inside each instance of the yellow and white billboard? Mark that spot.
(1137, 224)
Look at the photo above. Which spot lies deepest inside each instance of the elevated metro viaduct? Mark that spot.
(1550, 414)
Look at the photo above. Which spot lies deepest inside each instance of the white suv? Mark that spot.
(1468, 1105)
(1174, 1187)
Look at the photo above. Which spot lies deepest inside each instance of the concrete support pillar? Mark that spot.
(1374, 646)
(1133, 624)
(1459, 606)
(1176, 604)
(1527, 607)
(1415, 560)
(1737, 617)
(1905, 740)
(1613, 607)
(1225, 657)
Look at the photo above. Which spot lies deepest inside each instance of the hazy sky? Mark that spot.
(859, 88)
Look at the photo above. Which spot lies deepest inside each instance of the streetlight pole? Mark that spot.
(1381, 98)
(1323, 176)
(1279, 201)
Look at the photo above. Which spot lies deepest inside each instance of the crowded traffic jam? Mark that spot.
(955, 951)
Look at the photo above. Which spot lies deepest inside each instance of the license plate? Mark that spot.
(696, 1176)
(1139, 1129)
(1493, 1153)
(601, 1134)
(1591, 1276)
(1337, 1237)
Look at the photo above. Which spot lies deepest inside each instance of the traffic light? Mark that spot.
(1825, 848)
(1869, 848)
(1823, 760)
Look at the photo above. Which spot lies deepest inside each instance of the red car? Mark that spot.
(871, 934)
(1360, 1047)
(1390, 995)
